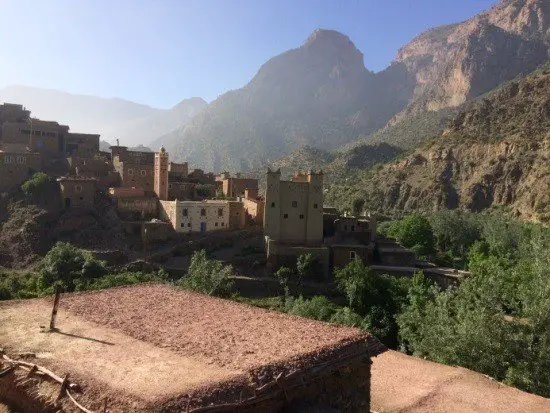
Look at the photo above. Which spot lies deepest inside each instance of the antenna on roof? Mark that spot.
(117, 144)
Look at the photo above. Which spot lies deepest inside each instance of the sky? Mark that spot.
(158, 52)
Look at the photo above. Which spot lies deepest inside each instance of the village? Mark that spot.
(154, 347)
(162, 200)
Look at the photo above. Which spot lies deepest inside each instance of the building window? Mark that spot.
(220, 212)
(185, 212)
(223, 224)
(285, 216)
(315, 206)
(130, 172)
(216, 224)
(169, 186)
(352, 228)
(143, 172)
(189, 225)
(294, 204)
(78, 188)
(182, 225)
(301, 216)
(273, 205)
(352, 255)
(21, 159)
(203, 212)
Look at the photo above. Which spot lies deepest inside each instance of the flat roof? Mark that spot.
(406, 384)
(152, 343)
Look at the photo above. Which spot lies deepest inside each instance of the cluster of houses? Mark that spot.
(147, 186)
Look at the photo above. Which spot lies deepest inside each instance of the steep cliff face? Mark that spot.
(455, 63)
(496, 152)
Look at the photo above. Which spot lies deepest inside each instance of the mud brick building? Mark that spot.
(17, 163)
(136, 169)
(253, 207)
(77, 192)
(236, 186)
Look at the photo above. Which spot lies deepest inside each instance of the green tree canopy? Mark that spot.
(208, 276)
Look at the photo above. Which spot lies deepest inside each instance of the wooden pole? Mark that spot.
(55, 306)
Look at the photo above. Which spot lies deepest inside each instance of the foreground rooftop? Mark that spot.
(153, 344)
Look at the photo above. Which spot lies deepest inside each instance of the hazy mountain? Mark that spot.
(132, 123)
(321, 95)
(496, 152)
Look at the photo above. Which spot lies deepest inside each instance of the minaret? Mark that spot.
(161, 174)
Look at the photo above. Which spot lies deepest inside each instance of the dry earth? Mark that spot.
(404, 384)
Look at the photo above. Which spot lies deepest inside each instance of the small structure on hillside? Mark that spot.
(78, 191)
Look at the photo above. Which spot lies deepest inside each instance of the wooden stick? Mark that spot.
(63, 388)
(55, 306)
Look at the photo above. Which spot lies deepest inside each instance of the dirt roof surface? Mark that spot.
(129, 342)
(224, 332)
(405, 384)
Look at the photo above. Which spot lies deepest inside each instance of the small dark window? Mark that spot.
(273, 205)
(185, 212)
(220, 212)
(216, 224)
(352, 255)
(294, 204)
(182, 225)
(352, 228)
(223, 224)
(285, 216)
(81, 198)
(301, 216)
(203, 212)
(315, 206)
(189, 225)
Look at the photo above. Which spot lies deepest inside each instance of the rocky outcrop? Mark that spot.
(495, 153)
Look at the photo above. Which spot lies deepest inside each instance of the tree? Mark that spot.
(69, 267)
(284, 274)
(318, 307)
(357, 205)
(204, 191)
(305, 267)
(414, 232)
(208, 276)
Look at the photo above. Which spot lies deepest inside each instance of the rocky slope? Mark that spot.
(495, 153)
(321, 95)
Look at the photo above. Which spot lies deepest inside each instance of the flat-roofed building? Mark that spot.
(82, 144)
(17, 163)
(77, 191)
(234, 187)
(136, 169)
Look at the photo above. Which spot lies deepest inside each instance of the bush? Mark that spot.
(208, 276)
(36, 188)
(415, 232)
(69, 267)
(284, 275)
(318, 307)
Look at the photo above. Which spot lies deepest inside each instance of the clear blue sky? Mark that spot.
(158, 52)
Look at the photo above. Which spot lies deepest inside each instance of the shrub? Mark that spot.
(69, 267)
(208, 276)
(318, 307)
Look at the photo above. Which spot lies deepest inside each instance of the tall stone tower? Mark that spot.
(272, 212)
(314, 228)
(161, 174)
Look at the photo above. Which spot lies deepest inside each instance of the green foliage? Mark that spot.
(69, 267)
(36, 187)
(305, 267)
(376, 298)
(318, 307)
(414, 232)
(284, 275)
(497, 321)
(205, 191)
(17, 285)
(208, 276)
(125, 278)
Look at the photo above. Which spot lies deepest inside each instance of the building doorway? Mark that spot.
(203, 226)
